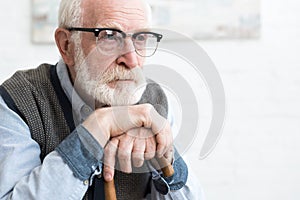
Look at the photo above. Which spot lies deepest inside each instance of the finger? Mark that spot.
(139, 146)
(108, 173)
(150, 148)
(164, 140)
(125, 118)
(124, 153)
(138, 151)
(161, 145)
(110, 152)
(169, 155)
(110, 122)
(141, 133)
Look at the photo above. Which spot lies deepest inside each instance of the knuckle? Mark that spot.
(138, 150)
(147, 108)
(146, 112)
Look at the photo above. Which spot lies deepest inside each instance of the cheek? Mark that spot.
(96, 62)
(88, 46)
(99, 64)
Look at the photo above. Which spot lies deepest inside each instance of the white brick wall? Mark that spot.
(258, 154)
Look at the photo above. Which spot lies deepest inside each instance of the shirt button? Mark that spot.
(86, 110)
(86, 182)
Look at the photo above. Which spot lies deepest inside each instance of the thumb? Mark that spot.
(110, 151)
(108, 173)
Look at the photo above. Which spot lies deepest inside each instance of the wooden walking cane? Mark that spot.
(110, 189)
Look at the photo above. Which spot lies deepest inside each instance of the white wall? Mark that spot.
(258, 154)
(16, 50)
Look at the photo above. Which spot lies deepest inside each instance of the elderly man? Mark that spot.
(65, 127)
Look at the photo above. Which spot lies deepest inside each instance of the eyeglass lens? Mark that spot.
(111, 41)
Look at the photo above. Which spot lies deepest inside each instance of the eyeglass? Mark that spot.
(111, 41)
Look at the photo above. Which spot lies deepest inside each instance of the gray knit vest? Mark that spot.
(37, 97)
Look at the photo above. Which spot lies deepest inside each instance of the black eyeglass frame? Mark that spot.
(97, 31)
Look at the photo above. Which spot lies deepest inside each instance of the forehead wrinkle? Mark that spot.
(131, 13)
(117, 16)
(121, 23)
(123, 9)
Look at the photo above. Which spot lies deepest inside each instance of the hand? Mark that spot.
(137, 144)
(134, 147)
(110, 122)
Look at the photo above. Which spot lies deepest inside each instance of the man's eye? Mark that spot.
(141, 38)
(110, 36)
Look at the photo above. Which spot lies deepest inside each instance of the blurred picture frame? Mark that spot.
(44, 20)
(209, 19)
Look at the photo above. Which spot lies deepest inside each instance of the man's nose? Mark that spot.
(129, 60)
(128, 56)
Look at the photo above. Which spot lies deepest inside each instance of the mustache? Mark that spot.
(120, 72)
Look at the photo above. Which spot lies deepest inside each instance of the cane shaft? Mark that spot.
(110, 190)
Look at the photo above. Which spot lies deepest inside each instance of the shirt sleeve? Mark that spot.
(82, 153)
(23, 176)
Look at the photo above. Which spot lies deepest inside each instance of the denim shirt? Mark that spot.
(67, 172)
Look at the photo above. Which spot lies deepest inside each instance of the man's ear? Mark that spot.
(65, 47)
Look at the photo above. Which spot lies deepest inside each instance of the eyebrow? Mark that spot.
(119, 26)
(111, 25)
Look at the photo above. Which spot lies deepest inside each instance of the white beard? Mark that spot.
(94, 82)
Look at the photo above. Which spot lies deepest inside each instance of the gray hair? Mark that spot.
(69, 14)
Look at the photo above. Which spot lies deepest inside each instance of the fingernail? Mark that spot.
(138, 163)
(107, 176)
